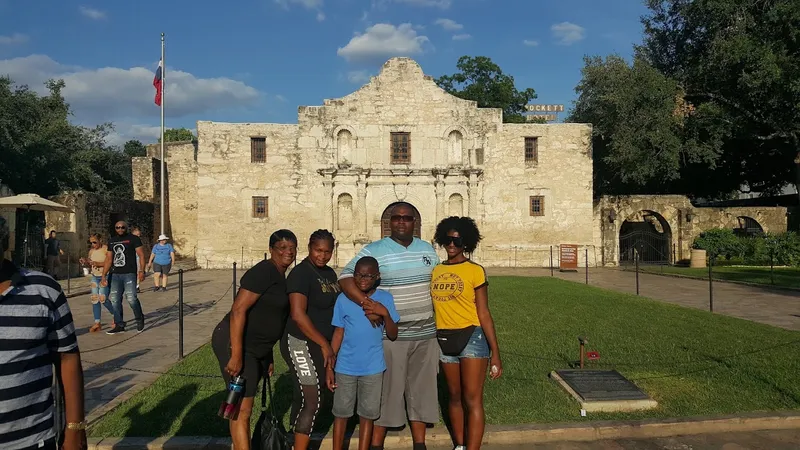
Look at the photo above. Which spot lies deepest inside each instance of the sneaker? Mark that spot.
(95, 328)
(164, 289)
(140, 326)
(155, 288)
(116, 330)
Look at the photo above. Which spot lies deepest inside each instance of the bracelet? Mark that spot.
(76, 425)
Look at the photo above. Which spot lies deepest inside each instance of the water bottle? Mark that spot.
(230, 406)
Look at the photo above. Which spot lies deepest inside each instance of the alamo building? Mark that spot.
(401, 138)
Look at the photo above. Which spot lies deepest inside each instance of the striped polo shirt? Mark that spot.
(406, 274)
(35, 322)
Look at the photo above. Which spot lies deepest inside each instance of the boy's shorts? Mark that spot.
(366, 388)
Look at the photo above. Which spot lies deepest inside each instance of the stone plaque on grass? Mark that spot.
(603, 390)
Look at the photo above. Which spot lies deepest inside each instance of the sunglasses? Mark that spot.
(398, 218)
(458, 241)
(93, 242)
(120, 228)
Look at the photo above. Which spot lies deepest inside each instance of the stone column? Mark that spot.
(328, 184)
(439, 188)
(610, 237)
(472, 194)
(361, 226)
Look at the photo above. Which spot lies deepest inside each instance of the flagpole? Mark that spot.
(163, 86)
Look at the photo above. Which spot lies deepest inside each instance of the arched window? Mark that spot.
(344, 215)
(455, 206)
(344, 146)
(454, 152)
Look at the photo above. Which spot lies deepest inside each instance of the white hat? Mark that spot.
(163, 237)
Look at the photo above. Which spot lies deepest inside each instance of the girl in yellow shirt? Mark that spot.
(464, 328)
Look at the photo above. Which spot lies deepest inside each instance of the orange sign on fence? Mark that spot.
(569, 257)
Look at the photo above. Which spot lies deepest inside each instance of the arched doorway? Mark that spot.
(386, 218)
(748, 227)
(648, 234)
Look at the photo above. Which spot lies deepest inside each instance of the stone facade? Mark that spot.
(334, 170)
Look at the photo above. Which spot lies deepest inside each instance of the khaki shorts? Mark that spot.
(409, 389)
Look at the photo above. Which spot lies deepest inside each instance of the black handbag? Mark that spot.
(269, 433)
(453, 342)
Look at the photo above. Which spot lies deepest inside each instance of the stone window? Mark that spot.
(456, 205)
(536, 205)
(401, 148)
(531, 150)
(454, 154)
(260, 207)
(258, 149)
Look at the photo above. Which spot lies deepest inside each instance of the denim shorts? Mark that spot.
(477, 347)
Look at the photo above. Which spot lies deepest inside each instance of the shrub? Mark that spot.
(721, 242)
(780, 249)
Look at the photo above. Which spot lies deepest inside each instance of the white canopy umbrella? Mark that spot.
(31, 202)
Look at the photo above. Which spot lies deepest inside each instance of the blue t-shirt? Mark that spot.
(162, 254)
(361, 352)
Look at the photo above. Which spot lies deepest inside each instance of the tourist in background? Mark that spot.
(409, 383)
(244, 338)
(306, 346)
(161, 260)
(465, 328)
(53, 254)
(125, 255)
(95, 261)
(39, 342)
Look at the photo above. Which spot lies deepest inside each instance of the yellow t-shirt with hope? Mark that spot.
(453, 292)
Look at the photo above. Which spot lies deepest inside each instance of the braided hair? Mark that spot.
(321, 235)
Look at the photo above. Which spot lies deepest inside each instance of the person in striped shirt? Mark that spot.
(409, 383)
(36, 334)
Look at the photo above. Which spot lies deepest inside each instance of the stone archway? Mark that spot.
(647, 233)
(386, 218)
(748, 227)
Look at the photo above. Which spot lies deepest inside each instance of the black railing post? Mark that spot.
(234, 280)
(636, 262)
(69, 275)
(551, 260)
(180, 314)
(710, 286)
(265, 256)
(586, 258)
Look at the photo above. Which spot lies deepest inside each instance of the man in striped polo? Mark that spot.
(409, 383)
(36, 333)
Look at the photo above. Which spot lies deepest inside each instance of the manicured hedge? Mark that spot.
(780, 249)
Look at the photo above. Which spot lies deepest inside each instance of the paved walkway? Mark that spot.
(762, 440)
(780, 308)
(82, 285)
(207, 298)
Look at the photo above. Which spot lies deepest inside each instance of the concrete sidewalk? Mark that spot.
(207, 298)
(776, 307)
(76, 286)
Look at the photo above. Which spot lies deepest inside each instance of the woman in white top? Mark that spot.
(95, 261)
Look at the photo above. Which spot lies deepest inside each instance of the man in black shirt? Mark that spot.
(126, 255)
(53, 253)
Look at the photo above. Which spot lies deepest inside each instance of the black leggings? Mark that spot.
(310, 391)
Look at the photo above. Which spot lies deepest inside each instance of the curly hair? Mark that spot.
(321, 235)
(466, 228)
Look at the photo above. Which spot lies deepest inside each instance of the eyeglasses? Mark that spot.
(458, 241)
(120, 228)
(398, 218)
(365, 276)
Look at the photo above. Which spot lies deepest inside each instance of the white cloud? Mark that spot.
(567, 33)
(311, 5)
(126, 95)
(383, 41)
(358, 76)
(461, 37)
(443, 4)
(280, 98)
(530, 43)
(16, 38)
(94, 14)
(449, 24)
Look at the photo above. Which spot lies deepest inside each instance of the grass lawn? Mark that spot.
(690, 361)
(782, 276)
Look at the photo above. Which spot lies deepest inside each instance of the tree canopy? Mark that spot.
(43, 153)
(481, 80)
(177, 135)
(731, 67)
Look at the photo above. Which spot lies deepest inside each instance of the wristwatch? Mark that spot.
(76, 425)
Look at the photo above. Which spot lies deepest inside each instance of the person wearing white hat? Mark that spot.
(161, 260)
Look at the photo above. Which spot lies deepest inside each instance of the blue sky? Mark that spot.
(258, 60)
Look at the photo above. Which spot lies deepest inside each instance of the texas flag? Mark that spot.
(157, 83)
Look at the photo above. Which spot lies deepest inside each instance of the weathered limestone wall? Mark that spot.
(684, 222)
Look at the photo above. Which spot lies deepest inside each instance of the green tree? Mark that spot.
(134, 148)
(177, 135)
(737, 61)
(481, 80)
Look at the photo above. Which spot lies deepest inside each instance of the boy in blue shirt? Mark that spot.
(358, 347)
